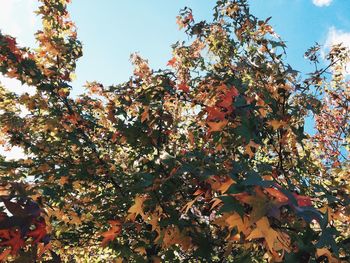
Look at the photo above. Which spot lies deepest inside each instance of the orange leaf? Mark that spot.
(145, 114)
(171, 62)
(217, 126)
(43, 248)
(280, 197)
(116, 228)
(5, 254)
(214, 113)
(276, 124)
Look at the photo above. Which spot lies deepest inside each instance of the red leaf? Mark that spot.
(171, 62)
(214, 113)
(15, 242)
(5, 234)
(303, 200)
(184, 87)
(39, 232)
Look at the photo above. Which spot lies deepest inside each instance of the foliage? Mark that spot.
(205, 161)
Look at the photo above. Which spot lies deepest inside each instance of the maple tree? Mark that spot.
(204, 161)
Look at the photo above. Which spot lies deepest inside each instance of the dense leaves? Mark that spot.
(204, 161)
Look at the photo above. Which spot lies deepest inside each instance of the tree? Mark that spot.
(206, 160)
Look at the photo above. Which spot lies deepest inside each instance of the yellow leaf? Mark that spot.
(276, 124)
(275, 241)
(141, 250)
(137, 209)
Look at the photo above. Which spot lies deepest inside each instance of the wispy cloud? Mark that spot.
(13, 153)
(336, 36)
(17, 19)
(321, 3)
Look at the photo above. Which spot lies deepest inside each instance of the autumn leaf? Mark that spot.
(172, 62)
(276, 124)
(145, 114)
(184, 87)
(248, 148)
(275, 240)
(188, 206)
(5, 254)
(137, 209)
(216, 126)
(115, 230)
(15, 241)
(43, 248)
(63, 180)
(39, 232)
(214, 113)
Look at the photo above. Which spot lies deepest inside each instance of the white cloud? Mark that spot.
(17, 19)
(321, 3)
(14, 153)
(16, 86)
(336, 36)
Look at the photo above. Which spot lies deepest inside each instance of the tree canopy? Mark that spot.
(206, 160)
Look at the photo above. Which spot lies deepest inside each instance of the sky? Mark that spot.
(113, 29)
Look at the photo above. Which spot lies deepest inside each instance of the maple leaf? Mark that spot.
(39, 232)
(217, 126)
(214, 113)
(172, 62)
(189, 205)
(137, 209)
(184, 87)
(275, 240)
(235, 220)
(302, 200)
(249, 146)
(227, 97)
(42, 248)
(141, 250)
(115, 230)
(5, 234)
(5, 254)
(145, 114)
(63, 180)
(15, 242)
(276, 124)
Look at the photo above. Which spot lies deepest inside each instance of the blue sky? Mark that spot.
(113, 29)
